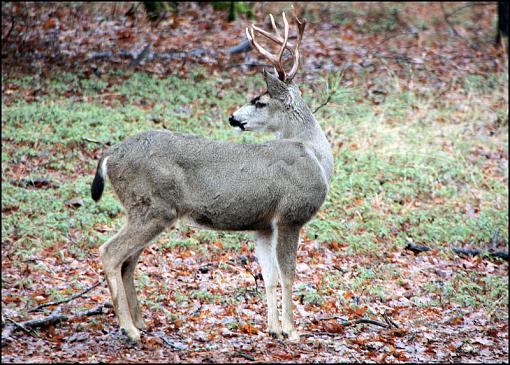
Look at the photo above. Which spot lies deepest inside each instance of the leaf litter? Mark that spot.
(209, 307)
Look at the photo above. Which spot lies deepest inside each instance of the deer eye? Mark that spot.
(259, 104)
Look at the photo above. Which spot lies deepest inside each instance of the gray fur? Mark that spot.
(272, 189)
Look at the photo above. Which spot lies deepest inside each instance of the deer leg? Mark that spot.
(128, 269)
(114, 255)
(286, 250)
(265, 252)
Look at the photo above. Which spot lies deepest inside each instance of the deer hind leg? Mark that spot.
(127, 270)
(114, 255)
(286, 250)
(265, 252)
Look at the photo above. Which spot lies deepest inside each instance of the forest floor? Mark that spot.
(413, 98)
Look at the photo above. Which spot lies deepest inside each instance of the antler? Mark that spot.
(276, 60)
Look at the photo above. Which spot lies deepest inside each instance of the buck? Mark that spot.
(272, 188)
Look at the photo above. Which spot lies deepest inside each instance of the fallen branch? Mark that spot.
(81, 294)
(247, 357)
(462, 251)
(357, 321)
(177, 346)
(136, 61)
(10, 329)
(389, 321)
(53, 319)
(366, 321)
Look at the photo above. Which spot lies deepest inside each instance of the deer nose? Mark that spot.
(235, 123)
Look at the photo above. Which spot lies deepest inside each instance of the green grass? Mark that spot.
(411, 167)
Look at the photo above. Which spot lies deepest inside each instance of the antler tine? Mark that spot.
(276, 60)
(270, 57)
(276, 30)
(277, 39)
(285, 37)
(301, 30)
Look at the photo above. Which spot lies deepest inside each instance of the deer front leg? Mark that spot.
(286, 250)
(265, 252)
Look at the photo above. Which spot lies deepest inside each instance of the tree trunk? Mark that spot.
(502, 21)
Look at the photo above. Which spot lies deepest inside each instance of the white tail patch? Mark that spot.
(104, 170)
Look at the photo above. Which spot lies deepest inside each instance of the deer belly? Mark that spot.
(238, 217)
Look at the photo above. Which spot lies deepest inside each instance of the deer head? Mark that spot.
(269, 112)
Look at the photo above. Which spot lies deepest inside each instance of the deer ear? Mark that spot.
(276, 88)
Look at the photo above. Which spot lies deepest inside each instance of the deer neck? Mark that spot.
(303, 127)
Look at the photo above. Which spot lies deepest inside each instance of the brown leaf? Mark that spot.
(50, 23)
(334, 327)
(248, 329)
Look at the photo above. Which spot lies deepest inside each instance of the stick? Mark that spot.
(356, 321)
(324, 103)
(462, 251)
(165, 340)
(67, 300)
(52, 319)
(367, 321)
(90, 312)
(44, 321)
(247, 357)
(141, 56)
(17, 325)
(389, 321)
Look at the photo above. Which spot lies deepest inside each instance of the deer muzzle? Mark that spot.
(236, 123)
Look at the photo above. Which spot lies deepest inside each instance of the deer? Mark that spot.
(272, 189)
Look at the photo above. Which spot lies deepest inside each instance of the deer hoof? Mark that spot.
(133, 335)
(291, 335)
(140, 324)
(276, 334)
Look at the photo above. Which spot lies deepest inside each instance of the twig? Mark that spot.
(67, 300)
(165, 340)
(454, 31)
(4, 39)
(45, 321)
(366, 321)
(416, 248)
(462, 251)
(52, 319)
(332, 90)
(324, 103)
(91, 312)
(356, 321)
(389, 321)
(321, 333)
(247, 357)
(249, 271)
(254, 278)
(141, 56)
(17, 325)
